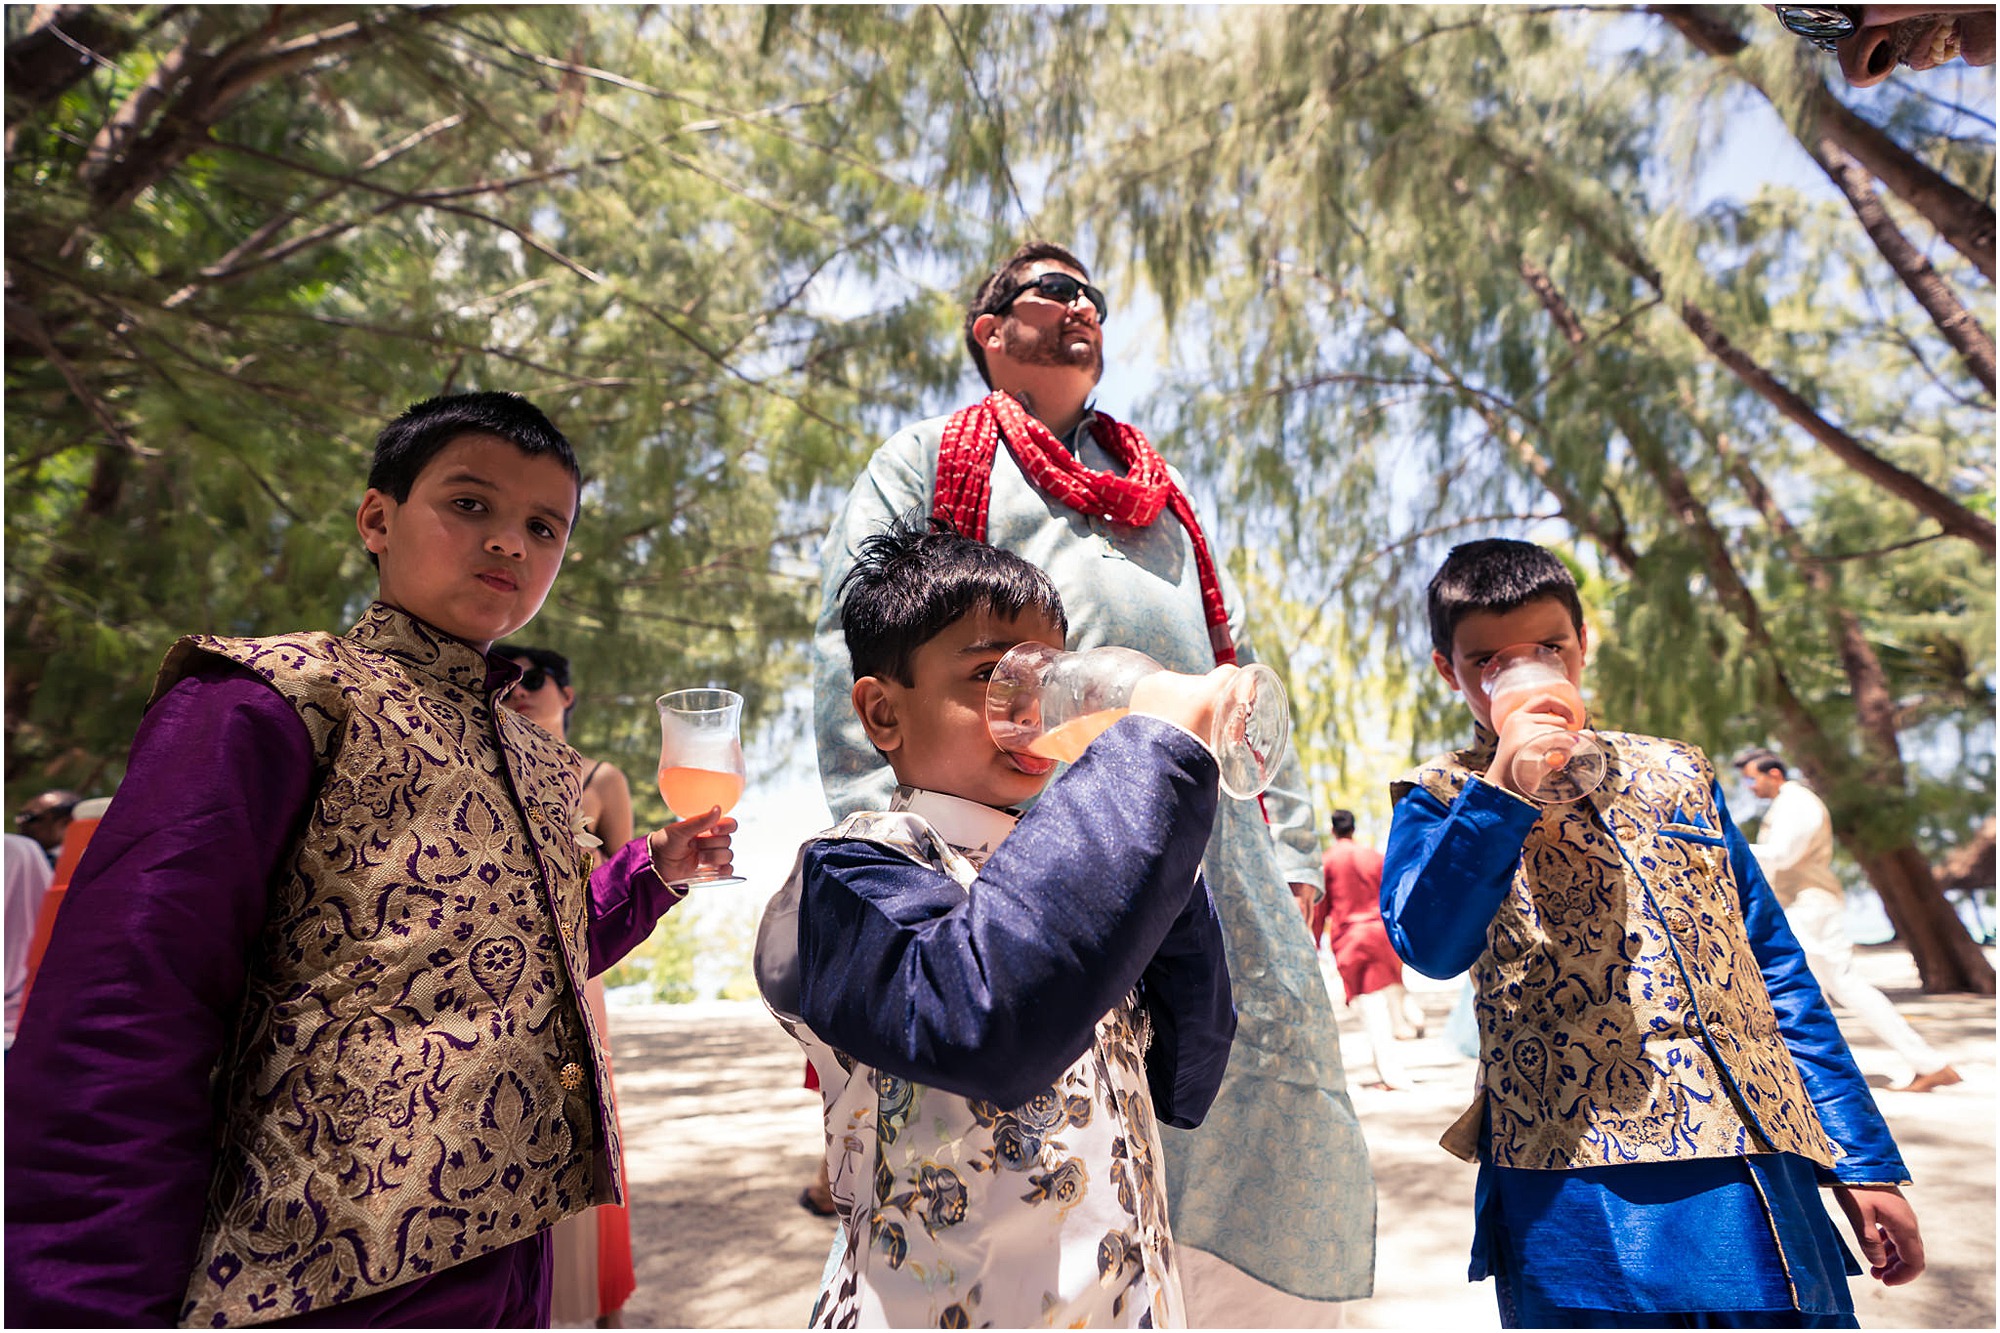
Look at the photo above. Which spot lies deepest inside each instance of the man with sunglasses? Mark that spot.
(1272, 1200)
(47, 818)
(1870, 41)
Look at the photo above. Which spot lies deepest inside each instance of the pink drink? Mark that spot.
(1068, 741)
(1546, 696)
(690, 792)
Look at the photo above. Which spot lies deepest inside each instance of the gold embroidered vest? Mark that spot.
(412, 1082)
(1622, 1015)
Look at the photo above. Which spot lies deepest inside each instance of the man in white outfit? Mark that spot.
(1794, 848)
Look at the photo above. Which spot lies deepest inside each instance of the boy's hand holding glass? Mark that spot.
(694, 851)
(1052, 704)
(1545, 753)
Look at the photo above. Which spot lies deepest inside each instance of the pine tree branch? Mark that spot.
(1958, 325)
(1966, 223)
(1950, 514)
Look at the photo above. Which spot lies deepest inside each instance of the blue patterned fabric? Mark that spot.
(1276, 1180)
(1566, 1243)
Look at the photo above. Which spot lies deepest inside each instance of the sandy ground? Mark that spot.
(720, 1136)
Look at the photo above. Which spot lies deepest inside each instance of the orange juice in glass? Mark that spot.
(701, 758)
(1053, 704)
(1557, 765)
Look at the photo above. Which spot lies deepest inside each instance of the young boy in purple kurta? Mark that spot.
(307, 1045)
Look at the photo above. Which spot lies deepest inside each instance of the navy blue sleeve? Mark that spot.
(1839, 1093)
(1446, 871)
(1186, 993)
(992, 992)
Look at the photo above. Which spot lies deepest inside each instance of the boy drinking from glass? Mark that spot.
(1000, 1005)
(1661, 1088)
(310, 1046)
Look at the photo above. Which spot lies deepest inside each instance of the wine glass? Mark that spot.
(1555, 766)
(1052, 704)
(701, 759)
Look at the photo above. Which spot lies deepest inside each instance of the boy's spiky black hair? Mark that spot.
(1496, 575)
(916, 577)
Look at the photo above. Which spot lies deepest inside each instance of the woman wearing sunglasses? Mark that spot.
(593, 1250)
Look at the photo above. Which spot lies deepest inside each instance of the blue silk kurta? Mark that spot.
(1619, 1238)
(1276, 1180)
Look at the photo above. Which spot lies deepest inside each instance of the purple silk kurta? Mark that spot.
(110, 1126)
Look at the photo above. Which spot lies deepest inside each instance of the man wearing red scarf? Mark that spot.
(1272, 1200)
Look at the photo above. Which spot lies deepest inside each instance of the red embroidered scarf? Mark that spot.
(965, 484)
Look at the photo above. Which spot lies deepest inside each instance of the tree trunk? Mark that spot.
(1946, 957)
(1966, 223)
(1958, 325)
(1955, 518)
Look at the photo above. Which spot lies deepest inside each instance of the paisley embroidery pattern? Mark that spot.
(399, 1091)
(913, 1169)
(1621, 1011)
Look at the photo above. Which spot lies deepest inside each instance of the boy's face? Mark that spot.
(476, 546)
(1484, 633)
(934, 731)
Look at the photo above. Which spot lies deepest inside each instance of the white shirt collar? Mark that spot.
(973, 829)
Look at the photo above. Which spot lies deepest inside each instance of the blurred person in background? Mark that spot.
(1794, 848)
(46, 818)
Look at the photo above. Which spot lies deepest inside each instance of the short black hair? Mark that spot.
(916, 578)
(1002, 283)
(548, 659)
(407, 444)
(1496, 575)
(1758, 760)
(1342, 823)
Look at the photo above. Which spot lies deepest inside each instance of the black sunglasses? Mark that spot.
(1822, 25)
(535, 677)
(1060, 288)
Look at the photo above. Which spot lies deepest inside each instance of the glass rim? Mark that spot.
(703, 699)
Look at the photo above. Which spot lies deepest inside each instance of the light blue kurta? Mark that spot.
(1276, 1180)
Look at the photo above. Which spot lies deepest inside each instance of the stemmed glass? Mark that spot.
(1555, 766)
(701, 759)
(1052, 704)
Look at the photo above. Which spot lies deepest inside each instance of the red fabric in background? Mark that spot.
(1350, 915)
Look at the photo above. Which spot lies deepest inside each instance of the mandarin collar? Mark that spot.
(396, 633)
(971, 828)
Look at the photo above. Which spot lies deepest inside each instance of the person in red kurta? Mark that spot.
(1347, 921)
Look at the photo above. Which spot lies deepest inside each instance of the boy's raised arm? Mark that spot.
(993, 994)
(1446, 870)
(110, 1123)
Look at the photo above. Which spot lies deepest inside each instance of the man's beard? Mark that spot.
(1050, 347)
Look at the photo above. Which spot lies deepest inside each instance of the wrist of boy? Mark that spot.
(654, 850)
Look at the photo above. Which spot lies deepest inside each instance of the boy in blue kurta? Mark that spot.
(999, 1006)
(1661, 1087)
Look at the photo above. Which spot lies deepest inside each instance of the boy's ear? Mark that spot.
(985, 330)
(1583, 642)
(1443, 665)
(371, 520)
(875, 705)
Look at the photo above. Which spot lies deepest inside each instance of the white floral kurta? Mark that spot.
(959, 1213)
(1276, 1180)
